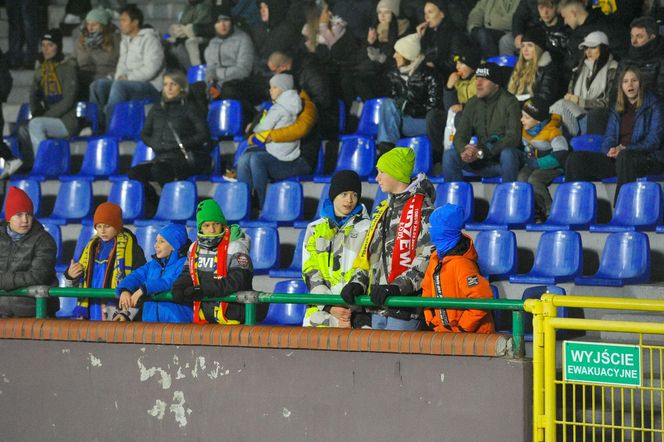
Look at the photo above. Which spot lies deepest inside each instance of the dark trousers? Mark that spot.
(595, 166)
(24, 29)
(487, 39)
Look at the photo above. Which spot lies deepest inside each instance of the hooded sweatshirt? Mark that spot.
(142, 58)
(282, 113)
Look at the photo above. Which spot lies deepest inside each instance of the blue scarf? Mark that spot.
(327, 211)
(533, 131)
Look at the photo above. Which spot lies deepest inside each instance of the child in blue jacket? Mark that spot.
(158, 276)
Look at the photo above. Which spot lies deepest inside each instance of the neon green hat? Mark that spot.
(398, 163)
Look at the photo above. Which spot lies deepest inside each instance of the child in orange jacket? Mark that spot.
(453, 273)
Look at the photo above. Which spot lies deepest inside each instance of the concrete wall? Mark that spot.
(87, 391)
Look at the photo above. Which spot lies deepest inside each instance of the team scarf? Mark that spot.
(405, 243)
(50, 83)
(221, 270)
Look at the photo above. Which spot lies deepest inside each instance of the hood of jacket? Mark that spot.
(465, 248)
(327, 211)
(419, 185)
(278, 12)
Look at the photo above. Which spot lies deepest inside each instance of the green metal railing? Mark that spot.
(251, 298)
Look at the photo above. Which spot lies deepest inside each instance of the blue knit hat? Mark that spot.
(446, 224)
(175, 235)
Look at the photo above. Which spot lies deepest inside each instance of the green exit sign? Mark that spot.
(600, 363)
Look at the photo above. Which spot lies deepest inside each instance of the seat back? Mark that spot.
(512, 203)
(84, 236)
(234, 198)
(370, 117)
(177, 202)
(323, 196)
(508, 61)
(52, 159)
(196, 73)
(127, 120)
(559, 254)
(638, 204)
(142, 153)
(379, 198)
(284, 202)
(574, 203)
(459, 193)
(54, 231)
(626, 255)
(74, 200)
(24, 114)
(422, 148)
(130, 196)
(90, 112)
(264, 247)
(536, 292)
(287, 314)
(496, 250)
(146, 236)
(296, 263)
(294, 286)
(101, 157)
(32, 188)
(225, 118)
(358, 154)
(589, 143)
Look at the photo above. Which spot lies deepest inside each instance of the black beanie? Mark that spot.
(344, 181)
(537, 109)
(470, 56)
(535, 35)
(54, 35)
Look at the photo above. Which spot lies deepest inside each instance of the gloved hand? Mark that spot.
(379, 293)
(350, 291)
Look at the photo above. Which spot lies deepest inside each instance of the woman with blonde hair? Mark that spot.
(535, 73)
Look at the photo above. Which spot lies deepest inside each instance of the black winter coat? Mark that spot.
(418, 94)
(278, 34)
(190, 126)
(649, 58)
(525, 16)
(549, 85)
(28, 261)
(438, 46)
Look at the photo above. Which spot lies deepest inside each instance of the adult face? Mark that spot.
(93, 26)
(387, 183)
(105, 232)
(630, 86)
(485, 87)
(384, 15)
(527, 121)
(639, 37)
(546, 13)
(265, 12)
(569, 17)
(162, 248)
(171, 88)
(344, 203)
(223, 27)
(592, 54)
(211, 228)
(528, 50)
(432, 15)
(21, 222)
(127, 25)
(48, 49)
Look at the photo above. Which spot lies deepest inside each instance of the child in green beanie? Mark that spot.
(218, 264)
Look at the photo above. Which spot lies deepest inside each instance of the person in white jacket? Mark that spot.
(256, 165)
(140, 69)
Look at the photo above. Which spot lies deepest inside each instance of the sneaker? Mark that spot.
(230, 175)
(11, 167)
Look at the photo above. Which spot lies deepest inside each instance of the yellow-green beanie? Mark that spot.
(398, 163)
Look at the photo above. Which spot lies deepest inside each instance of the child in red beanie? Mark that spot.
(111, 254)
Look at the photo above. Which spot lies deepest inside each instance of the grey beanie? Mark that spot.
(282, 81)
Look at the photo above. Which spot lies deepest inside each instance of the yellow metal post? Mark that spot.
(535, 307)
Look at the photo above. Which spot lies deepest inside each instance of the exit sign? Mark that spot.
(600, 363)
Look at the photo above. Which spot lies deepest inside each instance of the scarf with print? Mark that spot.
(49, 82)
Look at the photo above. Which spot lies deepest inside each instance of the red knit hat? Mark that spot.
(109, 214)
(17, 201)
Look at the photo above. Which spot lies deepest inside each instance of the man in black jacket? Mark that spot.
(27, 255)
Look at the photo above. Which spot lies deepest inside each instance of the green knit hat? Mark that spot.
(398, 163)
(209, 210)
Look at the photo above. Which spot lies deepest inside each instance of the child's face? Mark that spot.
(162, 248)
(106, 232)
(527, 121)
(211, 228)
(275, 92)
(344, 203)
(464, 70)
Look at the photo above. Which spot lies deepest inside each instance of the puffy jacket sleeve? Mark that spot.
(549, 88)
(167, 278)
(183, 284)
(153, 61)
(512, 135)
(239, 276)
(467, 274)
(311, 273)
(69, 81)
(243, 62)
(42, 267)
(653, 130)
(303, 124)
(199, 133)
(612, 132)
(135, 279)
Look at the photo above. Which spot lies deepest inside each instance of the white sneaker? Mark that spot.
(11, 167)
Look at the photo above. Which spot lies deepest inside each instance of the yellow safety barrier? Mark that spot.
(603, 391)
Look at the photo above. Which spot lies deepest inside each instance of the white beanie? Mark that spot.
(282, 81)
(408, 46)
(392, 5)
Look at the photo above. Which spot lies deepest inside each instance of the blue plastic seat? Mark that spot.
(284, 204)
(638, 207)
(177, 204)
(422, 147)
(323, 196)
(559, 258)
(225, 119)
(56, 234)
(73, 202)
(24, 114)
(342, 116)
(459, 193)
(127, 120)
(512, 207)
(89, 112)
(287, 314)
(142, 153)
(264, 248)
(130, 196)
(588, 143)
(355, 153)
(508, 61)
(294, 270)
(574, 207)
(536, 292)
(101, 158)
(32, 188)
(293, 286)
(625, 260)
(84, 236)
(370, 117)
(196, 73)
(234, 199)
(497, 253)
(146, 236)
(52, 160)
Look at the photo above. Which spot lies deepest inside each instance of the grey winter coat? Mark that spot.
(28, 261)
(97, 63)
(230, 57)
(142, 58)
(65, 108)
(283, 113)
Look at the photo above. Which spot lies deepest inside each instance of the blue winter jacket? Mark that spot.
(154, 277)
(648, 130)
